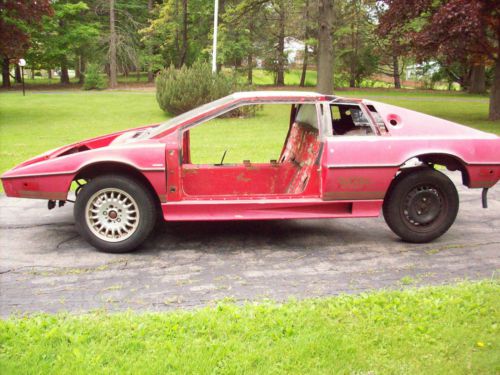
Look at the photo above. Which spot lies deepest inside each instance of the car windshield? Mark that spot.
(187, 115)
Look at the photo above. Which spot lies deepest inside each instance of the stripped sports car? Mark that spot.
(336, 158)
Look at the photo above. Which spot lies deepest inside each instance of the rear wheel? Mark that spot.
(421, 206)
(114, 213)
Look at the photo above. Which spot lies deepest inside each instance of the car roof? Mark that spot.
(280, 95)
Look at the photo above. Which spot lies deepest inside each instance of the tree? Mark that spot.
(112, 46)
(150, 48)
(463, 30)
(325, 47)
(243, 34)
(272, 20)
(17, 19)
(180, 33)
(353, 39)
(63, 38)
(307, 33)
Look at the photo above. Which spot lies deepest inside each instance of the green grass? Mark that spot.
(258, 139)
(39, 122)
(262, 77)
(433, 330)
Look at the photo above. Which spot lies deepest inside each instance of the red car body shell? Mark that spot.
(339, 176)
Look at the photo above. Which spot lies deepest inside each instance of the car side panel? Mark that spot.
(265, 209)
(363, 167)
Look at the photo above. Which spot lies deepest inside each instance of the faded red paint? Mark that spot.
(317, 175)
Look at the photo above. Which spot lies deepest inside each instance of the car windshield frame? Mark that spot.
(186, 116)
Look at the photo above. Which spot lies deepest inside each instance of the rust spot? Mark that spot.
(355, 183)
(173, 189)
(241, 177)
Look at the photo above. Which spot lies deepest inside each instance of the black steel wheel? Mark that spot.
(421, 205)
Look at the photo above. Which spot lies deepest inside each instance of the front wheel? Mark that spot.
(421, 206)
(114, 213)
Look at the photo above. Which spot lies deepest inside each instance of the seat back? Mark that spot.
(301, 150)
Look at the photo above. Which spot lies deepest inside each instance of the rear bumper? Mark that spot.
(483, 176)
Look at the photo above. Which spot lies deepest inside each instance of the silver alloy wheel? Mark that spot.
(112, 215)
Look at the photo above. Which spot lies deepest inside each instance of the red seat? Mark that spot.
(302, 150)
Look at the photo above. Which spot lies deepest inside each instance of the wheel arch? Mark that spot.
(428, 160)
(97, 169)
(450, 161)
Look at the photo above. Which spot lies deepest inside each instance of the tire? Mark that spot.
(115, 214)
(421, 205)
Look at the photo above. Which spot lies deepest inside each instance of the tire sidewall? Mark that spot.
(145, 205)
(403, 185)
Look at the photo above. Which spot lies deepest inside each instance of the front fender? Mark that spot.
(51, 178)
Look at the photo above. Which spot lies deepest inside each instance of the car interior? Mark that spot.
(348, 119)
(292, 173)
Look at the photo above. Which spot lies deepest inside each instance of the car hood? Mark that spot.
(125, 136)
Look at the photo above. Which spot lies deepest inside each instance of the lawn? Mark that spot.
(258, 139)
(292, 77)
(41, 121)
(433, 330)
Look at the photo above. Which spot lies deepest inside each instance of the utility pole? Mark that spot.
(214, 47)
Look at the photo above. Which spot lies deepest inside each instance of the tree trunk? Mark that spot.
(79, 69)
(280, 66)
(353, 59)
(495, 93)
(5, 73)
(18, 74)
(150, 48)
(81, 79)
(304, 66)
(184, 33)
(78, 73)
(64, 72)
(477, 84)
(249, 68)
(325, 47)
(112, 46)
(395, 72)
(306, 47)
(49, 73)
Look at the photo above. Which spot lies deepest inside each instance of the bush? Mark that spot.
(94, 79)
(179, 90)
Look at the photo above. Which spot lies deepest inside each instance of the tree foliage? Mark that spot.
(64, 36)
(453, 30)
(17, 18)
(93, 78)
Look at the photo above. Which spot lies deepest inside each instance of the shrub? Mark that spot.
(93, 78)
(179, 90)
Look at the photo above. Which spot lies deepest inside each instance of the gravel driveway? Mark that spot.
(46, 266)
